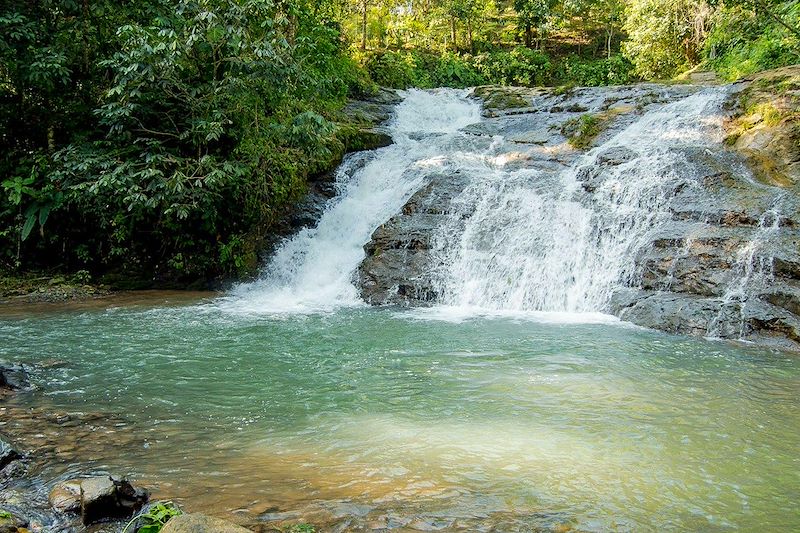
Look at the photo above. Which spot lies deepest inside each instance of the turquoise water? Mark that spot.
(378, 417)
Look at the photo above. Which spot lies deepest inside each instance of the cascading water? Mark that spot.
(527, 240)
(313, 270)
(753, 270)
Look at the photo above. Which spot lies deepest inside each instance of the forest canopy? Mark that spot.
(165, 138)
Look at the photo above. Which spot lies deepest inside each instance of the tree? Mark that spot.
(665, 35)
(533, 14)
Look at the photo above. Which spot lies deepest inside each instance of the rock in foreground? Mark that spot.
(98, 498)
(199, 523)
(7, 453)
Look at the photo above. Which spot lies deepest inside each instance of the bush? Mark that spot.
(518, 66)
(404, 69)
(594, 73)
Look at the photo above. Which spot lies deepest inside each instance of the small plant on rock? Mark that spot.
(301, 528)
(153, 518)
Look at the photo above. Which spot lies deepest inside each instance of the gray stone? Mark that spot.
(65, 496)
(104, 498)
(616, 156)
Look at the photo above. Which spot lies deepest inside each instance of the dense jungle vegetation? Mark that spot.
(161, 140)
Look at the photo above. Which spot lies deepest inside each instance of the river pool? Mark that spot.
(366, 418)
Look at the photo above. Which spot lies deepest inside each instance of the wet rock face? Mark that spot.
(398, 265)
(13, 377)
(8, 454)
(726, 264)
(396, 269)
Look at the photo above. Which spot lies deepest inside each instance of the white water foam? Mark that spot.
(460, 314)
(313, 270)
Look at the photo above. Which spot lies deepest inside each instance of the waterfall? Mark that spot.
(531, 241)
(313, 270)
(514, 237)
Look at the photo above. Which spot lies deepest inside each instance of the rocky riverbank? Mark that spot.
(726, 265)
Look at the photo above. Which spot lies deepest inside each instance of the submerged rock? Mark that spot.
(13, 377)
(200, 523)
(98, 498)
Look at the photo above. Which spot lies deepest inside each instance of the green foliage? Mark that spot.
(742, 42)
(664, 36)
(188, 128)
(5, 514)
(154, 519)
(518, 66)
(616, 70)
(404, 69)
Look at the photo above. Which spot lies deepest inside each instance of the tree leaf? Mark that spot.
(28, 226)
(44, 212)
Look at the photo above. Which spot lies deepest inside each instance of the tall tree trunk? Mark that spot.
(469, 36)
(453, 32)
(364, 4)
(528, 35)
(609, 38)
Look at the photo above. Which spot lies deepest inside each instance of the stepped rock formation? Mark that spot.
(680, 213)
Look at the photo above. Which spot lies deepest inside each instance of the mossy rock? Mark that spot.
(765, 127)
(503, 98)
(357, 139)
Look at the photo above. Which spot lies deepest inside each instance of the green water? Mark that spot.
(367, 418)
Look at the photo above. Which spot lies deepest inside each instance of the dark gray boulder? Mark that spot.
(98, 498)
